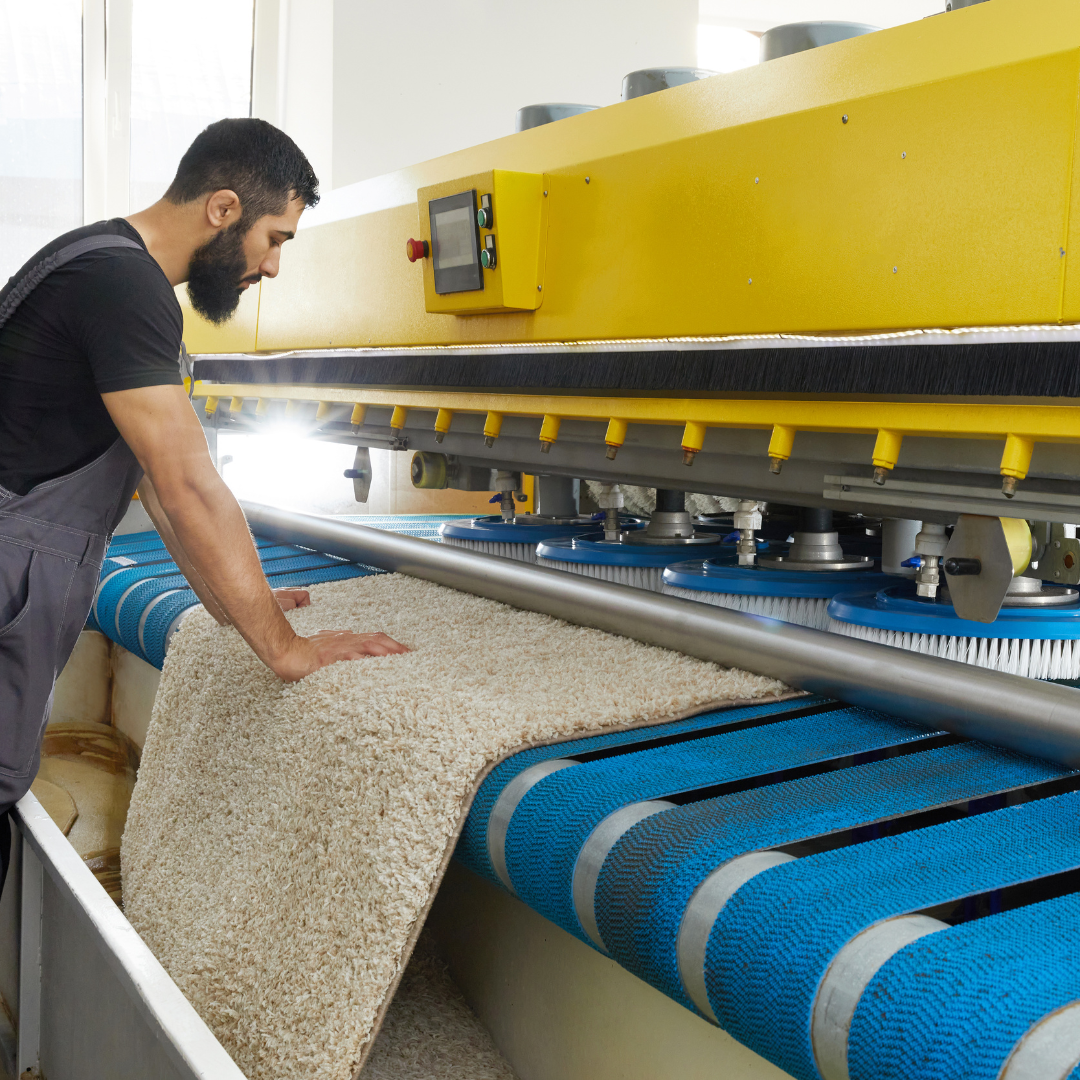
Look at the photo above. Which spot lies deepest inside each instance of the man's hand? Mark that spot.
(210, 533)
(292, 598)
(306, 655)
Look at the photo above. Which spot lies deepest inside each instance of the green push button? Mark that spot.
(487, 258)
(483, 218)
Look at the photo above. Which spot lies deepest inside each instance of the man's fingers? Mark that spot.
(292, 598)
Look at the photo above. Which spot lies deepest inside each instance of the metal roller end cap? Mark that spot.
(775, 465)
(611, 452)
(545, 447)
(1008, 486)
(489, 440)
(880, 475)
(439, 436)
(688, 457)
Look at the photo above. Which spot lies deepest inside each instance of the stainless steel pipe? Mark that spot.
(1038, 718)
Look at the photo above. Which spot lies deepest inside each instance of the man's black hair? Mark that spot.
(258, 161)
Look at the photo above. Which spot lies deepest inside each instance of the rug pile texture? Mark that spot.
(284, 842)
(430, 1033)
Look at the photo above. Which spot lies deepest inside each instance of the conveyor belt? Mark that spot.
(142, 594)
(730, 859)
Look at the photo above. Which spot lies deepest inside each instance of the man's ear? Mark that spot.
(223, 208)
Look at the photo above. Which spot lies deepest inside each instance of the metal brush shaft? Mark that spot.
(1038, 718)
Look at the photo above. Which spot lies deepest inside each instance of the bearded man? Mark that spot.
(92, 406)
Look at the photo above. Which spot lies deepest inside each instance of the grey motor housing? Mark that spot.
(798, 37)
(650, 80)
(532, 116)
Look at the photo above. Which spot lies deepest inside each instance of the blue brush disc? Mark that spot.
(898, 608)
(493, 530)
(596, 551)
(724, 575)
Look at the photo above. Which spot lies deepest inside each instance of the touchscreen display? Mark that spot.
(455, 243)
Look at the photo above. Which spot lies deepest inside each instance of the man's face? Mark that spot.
(223, 268)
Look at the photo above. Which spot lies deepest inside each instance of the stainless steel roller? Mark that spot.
(1038, 718)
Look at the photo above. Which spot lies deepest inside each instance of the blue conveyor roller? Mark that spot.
(876, 820)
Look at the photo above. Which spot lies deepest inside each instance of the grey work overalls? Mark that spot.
(52, 543)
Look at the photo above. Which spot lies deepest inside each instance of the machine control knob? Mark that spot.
(961, 566)
(487, 256)
(484, 217)
(416, 249)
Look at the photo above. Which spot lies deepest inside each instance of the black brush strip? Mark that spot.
(1004, 369)
(934, 815)
(719, 728)
(930, 741)
(1008, 898)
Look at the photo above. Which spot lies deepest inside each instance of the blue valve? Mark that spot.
(916, 561)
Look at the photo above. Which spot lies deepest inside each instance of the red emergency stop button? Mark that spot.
(416, 249)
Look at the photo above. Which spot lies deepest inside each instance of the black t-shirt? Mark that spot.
(108, 320)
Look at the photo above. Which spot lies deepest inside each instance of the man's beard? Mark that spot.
(214, 276)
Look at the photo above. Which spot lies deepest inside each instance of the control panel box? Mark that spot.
(482, 243)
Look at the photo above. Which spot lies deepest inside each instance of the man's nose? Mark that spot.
(269, 266)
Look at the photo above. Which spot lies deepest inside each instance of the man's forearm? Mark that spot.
(152, 506)
(213, 533)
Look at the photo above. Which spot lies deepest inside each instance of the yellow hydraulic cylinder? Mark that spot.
(443, 419)
(358, 414)
(615, 436)
(398, 418)
(783, 438)
(1015, 462)
(886, 453)
(492, 427)
(692, 441)
(549, 432)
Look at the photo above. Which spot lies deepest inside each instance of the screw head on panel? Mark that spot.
(844, 118)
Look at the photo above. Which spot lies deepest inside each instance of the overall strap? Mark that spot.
(22, 288)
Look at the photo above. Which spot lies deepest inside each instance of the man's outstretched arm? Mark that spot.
(287, 598)
(162, 430)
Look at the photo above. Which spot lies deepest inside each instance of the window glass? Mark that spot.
(190, 66)
(40, 126)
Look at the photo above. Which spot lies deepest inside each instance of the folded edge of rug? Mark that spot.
(285, 842)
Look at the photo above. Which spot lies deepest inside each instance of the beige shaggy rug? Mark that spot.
(430, 1033)
(285, 841)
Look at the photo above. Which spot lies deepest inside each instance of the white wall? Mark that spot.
(414, 79)
(758, 15)
(292, 83)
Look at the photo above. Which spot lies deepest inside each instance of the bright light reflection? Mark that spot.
(283, 468)
(723, 48)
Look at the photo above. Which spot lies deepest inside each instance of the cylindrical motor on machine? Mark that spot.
(557, 496)
(898, 545)
(795, 587)
(801, 36)
(532, 116)
(636, 557)
(515, 536)
(650, 80)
